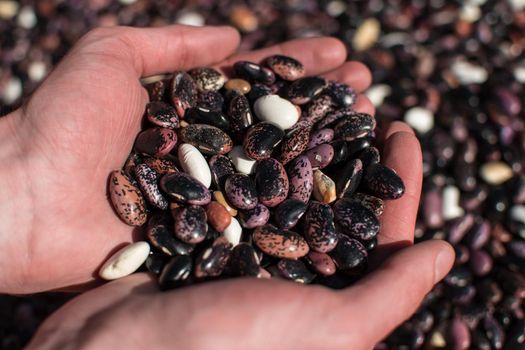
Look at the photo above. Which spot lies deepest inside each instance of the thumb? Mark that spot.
(392, 293)
(159, 50)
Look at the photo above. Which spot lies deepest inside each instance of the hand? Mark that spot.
(60, 250)
(57, 151)
(269, 314)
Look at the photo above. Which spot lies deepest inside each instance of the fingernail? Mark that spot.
(443, 263)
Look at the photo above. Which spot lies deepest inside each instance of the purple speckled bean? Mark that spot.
(319, 137)
(343, 95)
(183, 92)
(240, 191)
(260, 140)
(480, 262)
(349, 178)
(288, 213)
(162, 114)
(517, 248)
(183, 188)
(190, 224)
(148, 181)
(271, 182)
(295, 142)
(320, 156)
(295, 270)
(321, 263)
(255, 217)
(331, 118)
(354, 126)
(383, 182)
(495, 332)
(459, 227)
(279, 243)
(300, 175)
(156, 141)
(376, 205)
(212, 261)
(253, 72)
(355, 220)
(285, 67)
(221, 167)
(304, 90)
(459, 334)
(320, 229)
(319, 108)
(479, 235)
(349, 254)
(433, 208)
(369, 156)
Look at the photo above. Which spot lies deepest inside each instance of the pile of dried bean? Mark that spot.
(270, 173)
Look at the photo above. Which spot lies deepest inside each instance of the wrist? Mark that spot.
(15, 204)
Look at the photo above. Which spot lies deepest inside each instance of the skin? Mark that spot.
(58, 226)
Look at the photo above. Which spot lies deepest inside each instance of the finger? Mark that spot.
(397, 126)
(363, 105)
(352, 73)
(390, 295)
(89, 303)
(153, 51)
(318, 55)
(388, 128)
(402, 152)
(79, 288)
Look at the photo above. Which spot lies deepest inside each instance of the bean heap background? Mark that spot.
(297, 185)
(446, 67)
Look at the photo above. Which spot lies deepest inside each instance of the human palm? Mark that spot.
(81, 124)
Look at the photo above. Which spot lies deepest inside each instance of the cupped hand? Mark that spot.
(269, 314)
(57, 151)
(81, 124)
